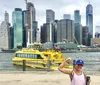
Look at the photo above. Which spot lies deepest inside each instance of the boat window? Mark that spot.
(39, 57)
(31, 55)
(28, 55)
(25, 55)
(35, 56)
(18, 55)
(21, 55)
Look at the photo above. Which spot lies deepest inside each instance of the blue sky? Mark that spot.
(59, 6)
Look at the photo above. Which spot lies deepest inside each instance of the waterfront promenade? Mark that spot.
(39, 78)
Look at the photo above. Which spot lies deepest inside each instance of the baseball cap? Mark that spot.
(81, 62)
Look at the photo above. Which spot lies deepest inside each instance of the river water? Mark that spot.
(91, 59)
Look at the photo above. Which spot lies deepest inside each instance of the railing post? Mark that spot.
(24, 65)
(74, 64)
(88, 80)
(49, 64)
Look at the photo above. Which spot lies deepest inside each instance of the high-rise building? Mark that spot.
(43, 33)
(66, 16)
(97, 32)
(89, 22)
(35, 28)
(54, 31)
(24, 27)
(18, 27)
(77, 27)
(11, 38)
(31, 11)
(65, 30)
(6, 16)
(97, 29)
(85, 35)
(38, 35)
(50, 16)
(77, 17)
(89, 18)
(31, 16)
(5, 35)
(49, 32)
(78, 32)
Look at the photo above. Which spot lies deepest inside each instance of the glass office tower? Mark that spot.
(89, 22)
(18, 28)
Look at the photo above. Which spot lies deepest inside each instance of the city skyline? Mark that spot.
(60, 8)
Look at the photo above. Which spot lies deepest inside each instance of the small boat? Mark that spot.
(39, 59)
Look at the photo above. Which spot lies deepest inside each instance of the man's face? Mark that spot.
(78, 67)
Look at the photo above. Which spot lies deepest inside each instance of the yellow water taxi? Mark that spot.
(39, 59)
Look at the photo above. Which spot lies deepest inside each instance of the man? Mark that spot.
(77, 76)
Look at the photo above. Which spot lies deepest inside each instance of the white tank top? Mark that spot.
(78, 79)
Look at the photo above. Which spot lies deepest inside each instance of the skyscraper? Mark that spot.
(24, 27)
(66, 16)
(6, 16)
(89, 22)
(97, 31)
(89, 18)
(50, 16)
(43, 33)
(77, 27)
(65, 30)
(31, 16)
(78, 32)
(85, 35)
(54, 31)
(18, 27)
(35, 28)
(5, 35)
(77, 17)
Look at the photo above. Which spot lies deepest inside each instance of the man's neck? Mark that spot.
(78, 71)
